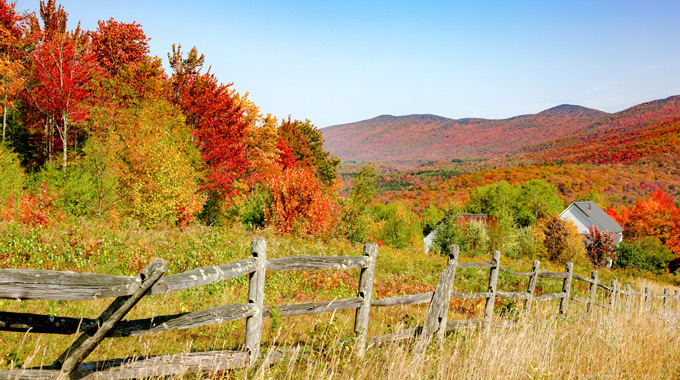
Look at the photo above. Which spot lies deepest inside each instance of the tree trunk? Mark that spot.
(64, 139)
(4, 122)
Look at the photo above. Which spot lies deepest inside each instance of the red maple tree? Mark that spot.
(216, 120)
(115, 44)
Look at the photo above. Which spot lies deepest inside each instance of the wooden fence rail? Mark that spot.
(128, 290)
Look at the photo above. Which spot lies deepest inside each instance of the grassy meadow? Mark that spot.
(638, 341)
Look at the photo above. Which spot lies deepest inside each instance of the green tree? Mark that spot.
(536, 199)
(449, 231)
(306, 142)
(431, 218)
(355, 221)
(492, 199)
(525, 203)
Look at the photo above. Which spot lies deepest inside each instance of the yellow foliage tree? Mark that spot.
(561, 239)
(157, 166)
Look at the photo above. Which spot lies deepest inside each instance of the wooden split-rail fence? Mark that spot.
(128, 290)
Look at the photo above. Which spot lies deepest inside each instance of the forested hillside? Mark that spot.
(418, 138)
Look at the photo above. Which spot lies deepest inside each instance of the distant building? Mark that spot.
(586, 214)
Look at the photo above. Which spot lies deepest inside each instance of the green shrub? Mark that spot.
(396, 226)
(431, 217)
(476, 238)
(449, 231)
(355, 220)
(76, 193)
(12, 177)
(252, 209)
(528, 245)
(649, 254)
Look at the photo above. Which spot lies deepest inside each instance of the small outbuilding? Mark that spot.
(586, 214)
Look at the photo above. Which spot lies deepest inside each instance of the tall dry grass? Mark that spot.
(637, 341)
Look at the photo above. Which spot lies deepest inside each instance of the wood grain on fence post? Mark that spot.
(365, 293)
(493, 284)
(666, 293)
(566, 288)
(593, 292)
(677, 298)
(439, 307)
(256, 298)
(629, 290)
(531, 288)
(86, 343)
(612, 294)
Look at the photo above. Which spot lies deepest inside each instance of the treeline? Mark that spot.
(522, 221)
(94, 126)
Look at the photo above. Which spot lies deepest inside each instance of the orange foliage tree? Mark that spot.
(655, 216)
(299, 203)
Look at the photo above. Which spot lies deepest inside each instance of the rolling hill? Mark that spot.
(565, 132)
(435, 138)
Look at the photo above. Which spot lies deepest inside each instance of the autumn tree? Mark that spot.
(655, 216)
(561, 239)
(599, 246)
(116, 44)
(11, 78)
(306, 142)
(157, 166)
(215, 118)
(299, 203)
(264, 147)
(61, 69)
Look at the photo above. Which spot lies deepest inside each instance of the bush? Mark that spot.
(252, 210)
(396, 226)
(561, 239)
(599, 246)
(299, 203)
(12, 175)
(75, 191)
(431, 218)
(528, 244)
(449, 231)
(647, 255)
(476, 238)
(355, 221)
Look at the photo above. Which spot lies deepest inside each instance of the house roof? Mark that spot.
(597, 215)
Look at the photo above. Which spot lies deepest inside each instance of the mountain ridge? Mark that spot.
(426, 137)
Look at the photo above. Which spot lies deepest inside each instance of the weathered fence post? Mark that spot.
(439, 307)
(493, 284)
(531, 288)
(593, 292)
(365, 293)
(612, 294)
(647, 297)
(666, 293)
(629, 290)
(87, 341)
(566, 288)
(256, 298)
(677, 298)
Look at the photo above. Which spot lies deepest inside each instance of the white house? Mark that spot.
(586, 214)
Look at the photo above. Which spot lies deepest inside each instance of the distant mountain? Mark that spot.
(648, 132)
(569, 133)
(435, 138)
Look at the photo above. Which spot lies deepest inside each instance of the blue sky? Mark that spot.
(337, 62)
